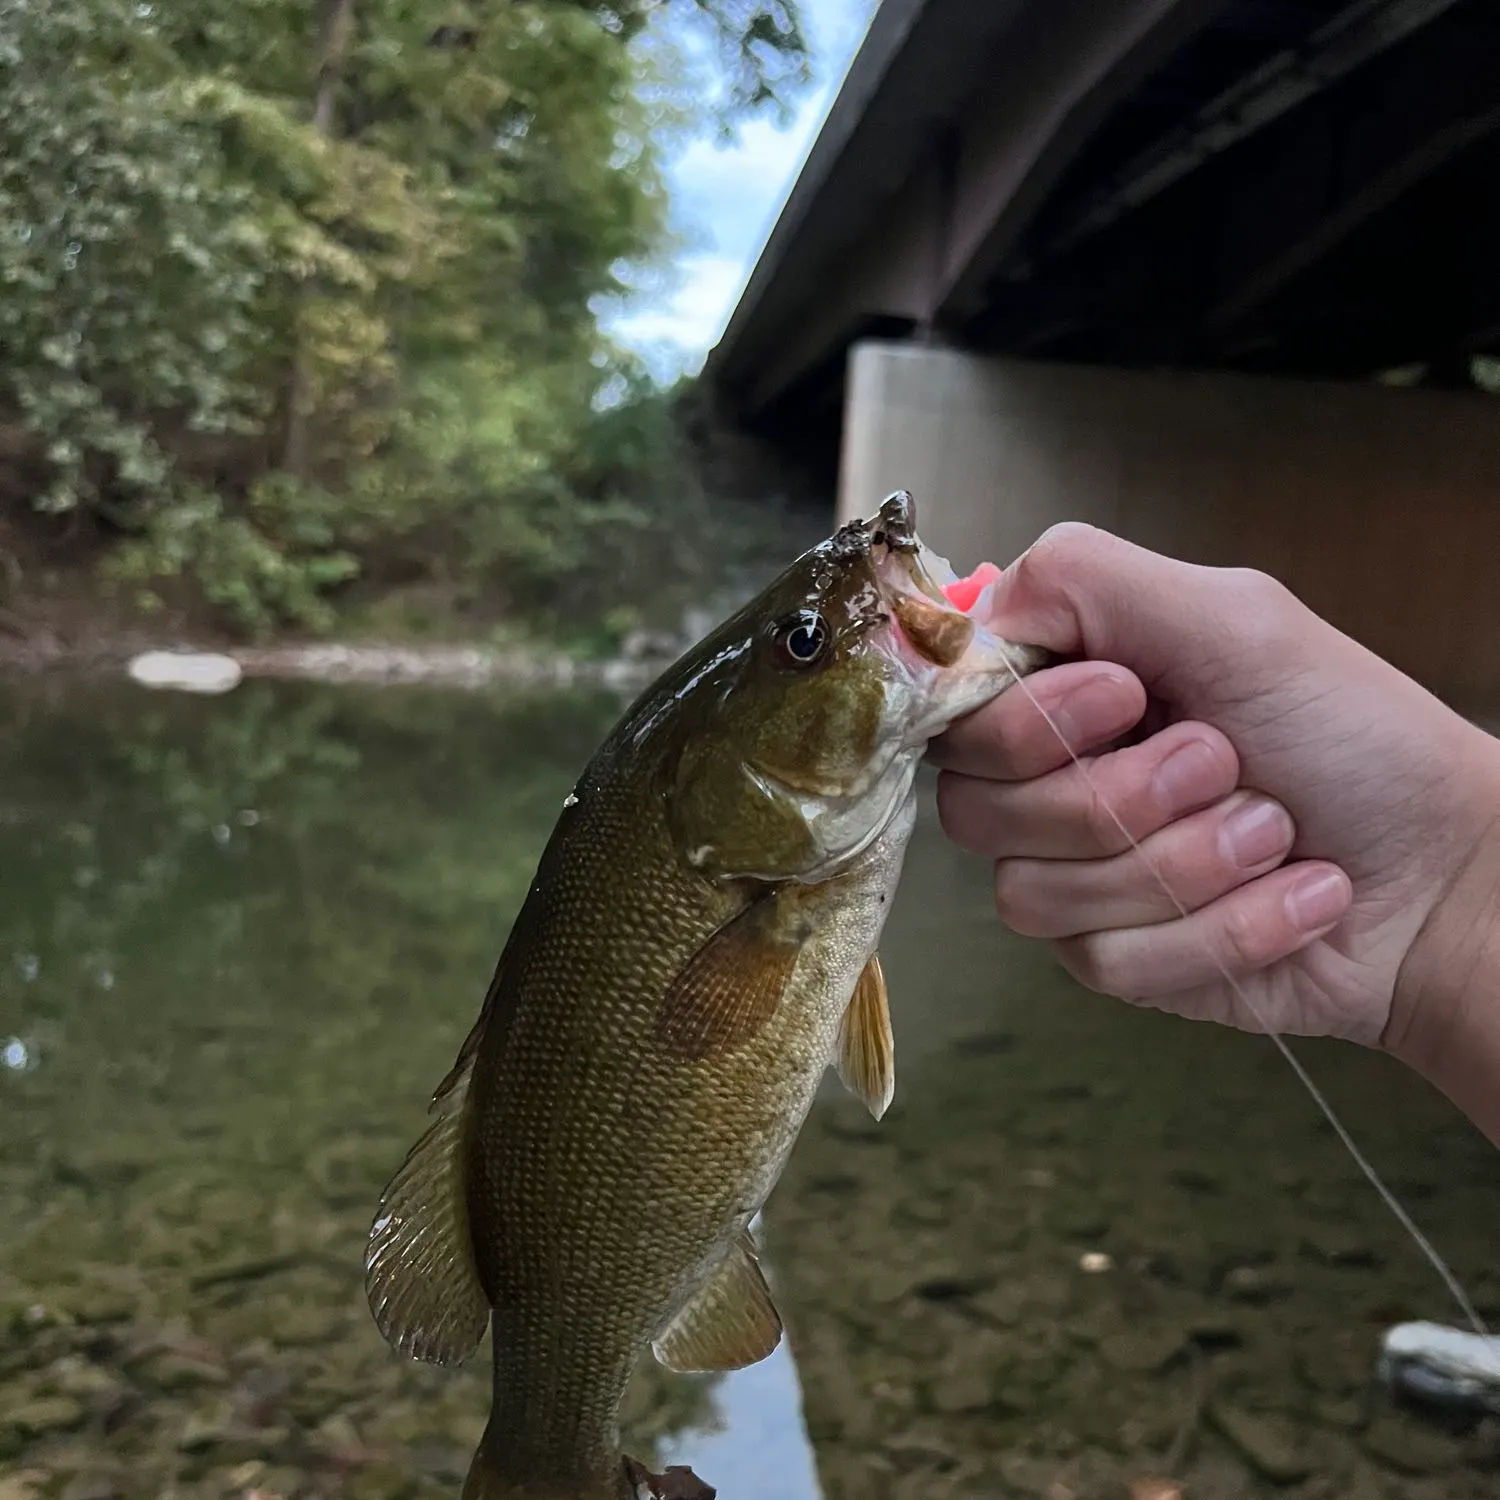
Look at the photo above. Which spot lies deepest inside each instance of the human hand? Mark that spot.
(1328, 824)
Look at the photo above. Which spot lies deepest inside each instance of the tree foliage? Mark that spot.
(381, 224)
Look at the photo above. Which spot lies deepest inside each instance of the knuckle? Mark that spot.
(1059, 549)
(1100, 821)
(1084, 958)
(950, 803)
(1225, 758)
(1262, 598)
(1253, 583)
(1070, 536)
(1259, 616)
(964, 812)
(1244, 939)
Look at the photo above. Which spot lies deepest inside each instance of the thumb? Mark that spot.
(1080, 591)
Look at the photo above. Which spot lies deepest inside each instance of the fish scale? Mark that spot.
(566, 1104)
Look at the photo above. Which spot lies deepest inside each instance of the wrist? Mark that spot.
(1445, 1012)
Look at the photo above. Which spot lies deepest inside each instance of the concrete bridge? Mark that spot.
(1221, 275)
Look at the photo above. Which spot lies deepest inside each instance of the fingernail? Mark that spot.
(1182, 777)
(1092, 708)
(1317, 900)
(1255, 832)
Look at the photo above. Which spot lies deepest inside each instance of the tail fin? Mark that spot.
(631, 1482)
(485, 1481)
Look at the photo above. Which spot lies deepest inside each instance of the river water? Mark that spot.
(241, 940)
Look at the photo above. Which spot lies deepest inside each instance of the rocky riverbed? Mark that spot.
(981, 1309)
(1090, 1254)
(259, 1383)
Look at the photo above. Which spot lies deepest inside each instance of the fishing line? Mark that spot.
(1428, 1249)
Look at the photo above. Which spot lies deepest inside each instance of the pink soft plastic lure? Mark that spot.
(963, 593)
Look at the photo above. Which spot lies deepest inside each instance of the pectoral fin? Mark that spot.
(866, 1047)
(732, 986)
(731, 1323)
(419, 1261)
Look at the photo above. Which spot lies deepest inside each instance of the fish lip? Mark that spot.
(892, 528)
(895, 522)
(903, 565)
(910, 569)
(891, 535)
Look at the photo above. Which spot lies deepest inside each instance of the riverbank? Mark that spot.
(59, 616)
(454, 666)
(58, 620)
(64, 623)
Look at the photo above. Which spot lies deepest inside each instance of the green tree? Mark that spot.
(286, 285)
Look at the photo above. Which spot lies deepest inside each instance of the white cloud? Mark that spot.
(724, 201)
(690, 317)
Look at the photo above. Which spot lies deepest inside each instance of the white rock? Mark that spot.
(1449, 1365)
(187, 671)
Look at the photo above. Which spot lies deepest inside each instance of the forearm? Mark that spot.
(1445, 1022)
(1462, 1056)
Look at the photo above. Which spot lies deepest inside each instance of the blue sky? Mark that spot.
(724, 200)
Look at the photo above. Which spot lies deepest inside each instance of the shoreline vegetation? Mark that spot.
(307, 340)
(743, 514)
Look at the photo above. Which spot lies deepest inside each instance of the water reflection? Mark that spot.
(242, 938)
(759, 1442)
(248, 937)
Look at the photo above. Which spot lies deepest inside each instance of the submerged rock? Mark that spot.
(172, 1371)
(962, 1391)
(44, 1415)
(1268, 1444)
(92, 1487)
(27, 1485)
(1408, 1449)
(1254, 1284)
(1143, 1351)
(1441, 1366)
(97, 1304)
(1340, 1245)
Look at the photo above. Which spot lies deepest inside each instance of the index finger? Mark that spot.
(1088, 704)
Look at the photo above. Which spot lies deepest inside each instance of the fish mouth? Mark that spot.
(937, 662)
(929, 635)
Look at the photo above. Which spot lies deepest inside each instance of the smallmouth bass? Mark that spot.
(698, 945)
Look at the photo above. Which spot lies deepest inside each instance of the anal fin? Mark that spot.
(419, 1262)
(732, 1321)
(866, 1045)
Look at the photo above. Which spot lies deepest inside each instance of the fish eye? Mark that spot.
(802, 639)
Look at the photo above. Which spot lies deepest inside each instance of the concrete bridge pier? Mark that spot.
(1378, 505)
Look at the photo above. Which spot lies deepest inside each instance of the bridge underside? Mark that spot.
(1357, 232)
(1294, 187)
